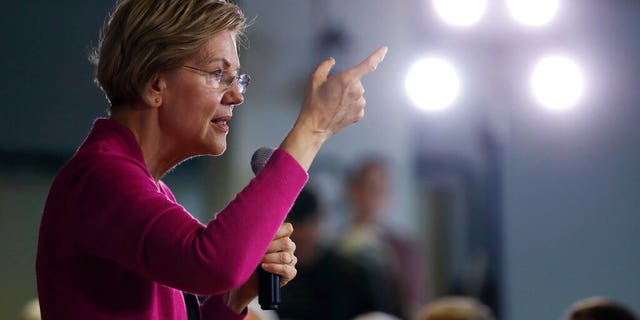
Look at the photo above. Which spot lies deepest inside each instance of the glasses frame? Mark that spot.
(219, 79)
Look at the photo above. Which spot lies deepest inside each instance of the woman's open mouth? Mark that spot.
(221, 123)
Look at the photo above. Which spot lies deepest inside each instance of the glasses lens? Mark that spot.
(243, 82)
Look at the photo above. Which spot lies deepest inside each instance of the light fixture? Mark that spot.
(432, 84)
(557, 82)
(533, 12)
(460, 12)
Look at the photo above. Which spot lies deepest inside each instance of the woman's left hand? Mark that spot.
(279, 259)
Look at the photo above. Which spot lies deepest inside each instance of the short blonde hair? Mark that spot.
(143, 37)
(455, 308)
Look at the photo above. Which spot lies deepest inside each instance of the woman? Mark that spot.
(114, 244)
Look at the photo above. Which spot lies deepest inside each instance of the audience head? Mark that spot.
(455, 308)
(369, 189)
(599, 308)
(305, 209)
(376, 316)
(31, 310)
(305, 216)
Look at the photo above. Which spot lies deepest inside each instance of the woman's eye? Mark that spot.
(218, 74)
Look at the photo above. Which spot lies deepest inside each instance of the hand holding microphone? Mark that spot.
(277, 268)
(279, 258)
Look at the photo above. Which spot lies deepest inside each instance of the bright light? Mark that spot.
(432, 84)
(557, 82)
(460, 12)
(533, 12)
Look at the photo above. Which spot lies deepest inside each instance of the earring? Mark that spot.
(157, 100)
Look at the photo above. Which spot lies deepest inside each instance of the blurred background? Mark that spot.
(521, 185)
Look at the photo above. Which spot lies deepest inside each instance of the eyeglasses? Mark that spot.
(217, 79)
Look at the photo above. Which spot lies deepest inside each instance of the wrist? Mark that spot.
(303, 143)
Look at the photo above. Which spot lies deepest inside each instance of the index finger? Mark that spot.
(369, 64)
(285, 230)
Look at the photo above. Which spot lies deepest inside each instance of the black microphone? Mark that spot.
(268, 283)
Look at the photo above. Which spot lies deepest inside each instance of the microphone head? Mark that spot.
(260, 158)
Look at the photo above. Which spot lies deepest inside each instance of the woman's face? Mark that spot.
(194, 114)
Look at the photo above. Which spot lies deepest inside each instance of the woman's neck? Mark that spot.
(156, 150)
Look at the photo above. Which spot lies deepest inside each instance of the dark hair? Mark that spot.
(599, 309)
(305, 208)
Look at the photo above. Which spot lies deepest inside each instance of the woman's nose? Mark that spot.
(233, 96)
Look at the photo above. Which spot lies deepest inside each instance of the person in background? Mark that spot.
(599, 308)
(455, 308)
(255, 312)
(376, 316)
(327, 286)
(31, 310)
(391, 262)
(114, 243)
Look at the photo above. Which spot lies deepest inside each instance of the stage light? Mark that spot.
(460, 12)
(533, 12)
(432, 84)
(557, 82)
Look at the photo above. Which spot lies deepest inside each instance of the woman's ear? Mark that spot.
(154, 90)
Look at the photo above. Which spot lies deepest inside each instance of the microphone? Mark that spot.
(260, 158)
(268, 283)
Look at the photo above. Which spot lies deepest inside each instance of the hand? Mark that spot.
(331, 104)
(335, 102)
(279, 259)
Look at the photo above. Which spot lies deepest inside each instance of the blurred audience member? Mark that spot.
(255, 312)
(455, 308)
(326, 286)
(31, 310)
(599, 308)
(393, 266)
(376, 316)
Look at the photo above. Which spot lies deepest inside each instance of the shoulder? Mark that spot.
(105, 167)
(92, 177)
(109, 151)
